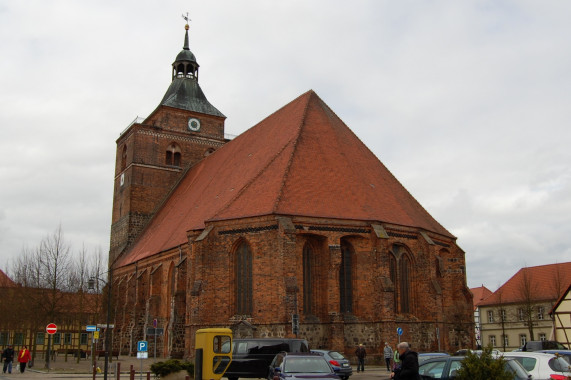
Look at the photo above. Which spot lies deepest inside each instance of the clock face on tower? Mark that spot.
(194, 124)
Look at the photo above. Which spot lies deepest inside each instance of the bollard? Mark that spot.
(187, 377)
(148, 375)
(118, 371)
(132, 373)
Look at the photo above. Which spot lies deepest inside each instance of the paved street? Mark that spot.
(73, 370)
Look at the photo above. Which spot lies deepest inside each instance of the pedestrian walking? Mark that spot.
(409, 366)
(8, 358)
(24, 357)
(361, 354)
(388, 354)
(396, 360)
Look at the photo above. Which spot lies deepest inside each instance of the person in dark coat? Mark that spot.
(361, 353)
(8, 358)
(409, 364)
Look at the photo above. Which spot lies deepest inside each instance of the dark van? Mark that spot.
(536, 345)
(252, 357)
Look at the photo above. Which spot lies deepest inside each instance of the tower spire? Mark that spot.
(186, 27)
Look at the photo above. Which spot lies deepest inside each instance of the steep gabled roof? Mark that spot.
(301, 160)
(5, 281)
(480, 294)
(545, 282)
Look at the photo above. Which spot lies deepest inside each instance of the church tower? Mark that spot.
(153, 154)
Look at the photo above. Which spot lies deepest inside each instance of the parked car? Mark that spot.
(251, 357)
(340, 363)
(566, 354)
(445, 368)
(541, 366)
(538, 345)
(422, 356)
(298, 365)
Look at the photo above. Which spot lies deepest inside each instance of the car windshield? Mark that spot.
(558, 364)
(527, 363)
(306, 365)
(432, 369)
(517, 369)
(336, 355)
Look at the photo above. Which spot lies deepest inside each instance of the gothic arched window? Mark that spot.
(173, 155)
(308, 279)
(243, 279)
(345, 278)
(124, 158)
(400, 272)
(404, 284)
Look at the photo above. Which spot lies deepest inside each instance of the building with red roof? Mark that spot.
(519, 310)
(479, 294)
(294, 217)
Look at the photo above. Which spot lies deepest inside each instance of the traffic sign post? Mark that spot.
(142, 347)
(51, 329)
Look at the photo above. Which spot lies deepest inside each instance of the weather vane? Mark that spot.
(186, 18)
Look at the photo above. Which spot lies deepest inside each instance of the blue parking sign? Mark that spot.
(142, 346)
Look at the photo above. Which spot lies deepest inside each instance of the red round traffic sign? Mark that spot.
(51, 328)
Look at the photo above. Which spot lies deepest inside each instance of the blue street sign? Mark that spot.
(142, 346)
(89, 328)
(399, 331)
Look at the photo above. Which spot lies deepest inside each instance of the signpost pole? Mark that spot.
(155, 328)
(50, 329)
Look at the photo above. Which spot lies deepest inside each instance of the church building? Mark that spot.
(292, 229)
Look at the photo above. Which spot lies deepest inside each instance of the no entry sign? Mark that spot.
(51, 328)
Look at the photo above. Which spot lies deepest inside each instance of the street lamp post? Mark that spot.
(91, 285)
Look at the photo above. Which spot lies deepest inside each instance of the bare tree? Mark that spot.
(528, 290)
(502, 317)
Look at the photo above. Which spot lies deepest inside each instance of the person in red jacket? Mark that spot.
(24, 357)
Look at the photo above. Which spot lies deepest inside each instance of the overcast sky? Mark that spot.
(468, 103)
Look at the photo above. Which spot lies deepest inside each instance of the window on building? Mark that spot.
(173, 155)
(520, 314)
(503, 315)
(540, 312)
(243, 279)
(490, 316)
(493, 340)
(404, 284)
(307, 279)
(67, 338)
(522, 339)
(345, 278)
(57, 338)
(18, 339)
(4, 338)
(124, 158)
(401, 276)
(506, 340)
(83, 338)
(40, 337)
(542, 337)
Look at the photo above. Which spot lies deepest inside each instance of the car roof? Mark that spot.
(442, 358)
(555, 351)
(529, 354)
(300, 354)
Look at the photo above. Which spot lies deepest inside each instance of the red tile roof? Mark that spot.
(301, 160)
(544, 282)
(480, 294)
(6, 281)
